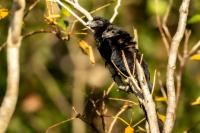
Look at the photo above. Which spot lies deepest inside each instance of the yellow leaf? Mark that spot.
(3, 13)
(161, 117)
(196, 102)
(195, 57)
(160, 99)
(129, 129)
(87, 49)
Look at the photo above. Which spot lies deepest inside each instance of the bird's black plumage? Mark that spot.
(111, 41)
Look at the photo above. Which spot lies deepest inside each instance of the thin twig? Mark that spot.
(164, 38)
(161, 85)
(171, 108)
(182, 65)
(116, 116)
(136, 87)
(136, 124)
(154, 82)
(38, 32)
(57, 124)
(194, 49)
(123, 100)
(13, 49)
(31, 7)
(109, 88)
(93, 11)
(135, 33)
(3, 46)
(165, 18)
(115, 11)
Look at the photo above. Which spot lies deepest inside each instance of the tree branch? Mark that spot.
(13, 46)
(115, 11)
(76, 5)
(71, 12)
(171, 108)
(148, 103)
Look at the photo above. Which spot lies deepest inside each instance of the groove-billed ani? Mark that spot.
(111, 41)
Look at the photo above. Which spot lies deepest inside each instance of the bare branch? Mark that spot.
(14, 42)
(171, 108)
(71, 12)
(77, 6)
(115, 11)
(148, 100)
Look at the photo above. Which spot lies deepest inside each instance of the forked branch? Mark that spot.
(173, 53)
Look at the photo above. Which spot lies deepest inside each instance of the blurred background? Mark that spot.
(56, 75)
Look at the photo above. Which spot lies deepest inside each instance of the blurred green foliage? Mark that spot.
(49, 66)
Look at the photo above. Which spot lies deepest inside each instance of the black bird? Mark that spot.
(122, 41)
(111, 41)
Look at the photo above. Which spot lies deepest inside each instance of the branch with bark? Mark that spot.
(173, 53)
(13, 48)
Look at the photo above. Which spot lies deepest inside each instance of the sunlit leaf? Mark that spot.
(129, 129)
(160, 99)
(195, 57)
(3, 13)
(87, 49)
(161, 117)
(196, 102)
(64, 12)
(194, 19)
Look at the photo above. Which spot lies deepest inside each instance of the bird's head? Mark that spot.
(98, 23)
(113, 32)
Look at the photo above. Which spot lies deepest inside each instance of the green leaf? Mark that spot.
(62, 23)
(194, 19)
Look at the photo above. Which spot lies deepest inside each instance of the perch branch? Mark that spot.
(148, 103)
(77, 6)
(171, 108)
(71, 12)
(13, 46)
